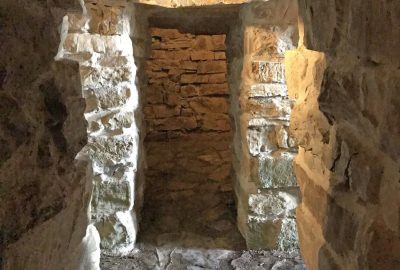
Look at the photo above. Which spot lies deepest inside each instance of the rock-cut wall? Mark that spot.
(345, 78)
(44, 194)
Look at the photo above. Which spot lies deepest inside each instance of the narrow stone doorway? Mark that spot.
(188, 198)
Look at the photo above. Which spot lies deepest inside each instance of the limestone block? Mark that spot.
(194, 78)
(214, 89)
(218, 42)
(188, 65)
(189, 91)
(76, 23)
(211, 43)
(203, 42)
(272, 204)
(282, 136)
(115, 60)
(110, 196)
(201, 55)
(93, 77)
(168, 34)
(118, 121)
(268, 72)
(278, 234)
(172, 99)
(262, 121)
(175, 123)
(215, 121)
(211, 67)
(154, 94)
(221, 173)
(270, 43)
(276, 171)
(176, 55)
(117, 232)
(105, 151)
(156, 75)
(219, 56)
(93, 127)
(107, 98)
(272, 108)
(209, 105)
(87, 44)
(158, 111)
(163, 64)
(261, 140)
(176, 44)
(217, 78)
(107, 20)
(268, 90)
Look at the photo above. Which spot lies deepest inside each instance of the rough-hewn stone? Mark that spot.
(346, 166)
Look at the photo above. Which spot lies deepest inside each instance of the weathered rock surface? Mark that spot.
(163, 258)
(344, 77)
(188, 198)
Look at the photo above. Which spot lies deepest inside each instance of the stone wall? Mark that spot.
(345, 79)
(188, 194)
(99, 41)
(266, 187)
(44, 194)
(187, 88)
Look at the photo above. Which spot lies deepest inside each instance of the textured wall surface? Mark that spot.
(189, 193)
(43, 192)
(346, 121)
(266, 187)
(99, 41)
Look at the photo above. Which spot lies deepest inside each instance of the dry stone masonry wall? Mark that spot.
(187, 88)
(101, 44)
(267, 190)
(188, 196)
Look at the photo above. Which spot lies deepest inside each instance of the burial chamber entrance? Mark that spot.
(216, 147)
(188, 196)
(188, 115)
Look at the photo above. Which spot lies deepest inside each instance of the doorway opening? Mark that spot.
(188, 199)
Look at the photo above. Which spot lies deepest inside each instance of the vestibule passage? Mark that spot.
(189, 196)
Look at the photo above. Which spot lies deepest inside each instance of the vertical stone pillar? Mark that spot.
(268, 191)
(99, 40)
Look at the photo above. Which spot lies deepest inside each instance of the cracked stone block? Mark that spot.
(276, 171)
(277, 234)
(272, 108)
(110, 196)
(105, 151)
(268, 72)
(261, 140)
(268, 90)
(106, 98)
(105, 77)
(117, 232)
(272, 204)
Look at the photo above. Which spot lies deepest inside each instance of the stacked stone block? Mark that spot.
(267, 191)
(101, 44)
(188, 187)
(187, 88)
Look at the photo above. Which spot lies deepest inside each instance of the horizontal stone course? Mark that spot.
(268, 72)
